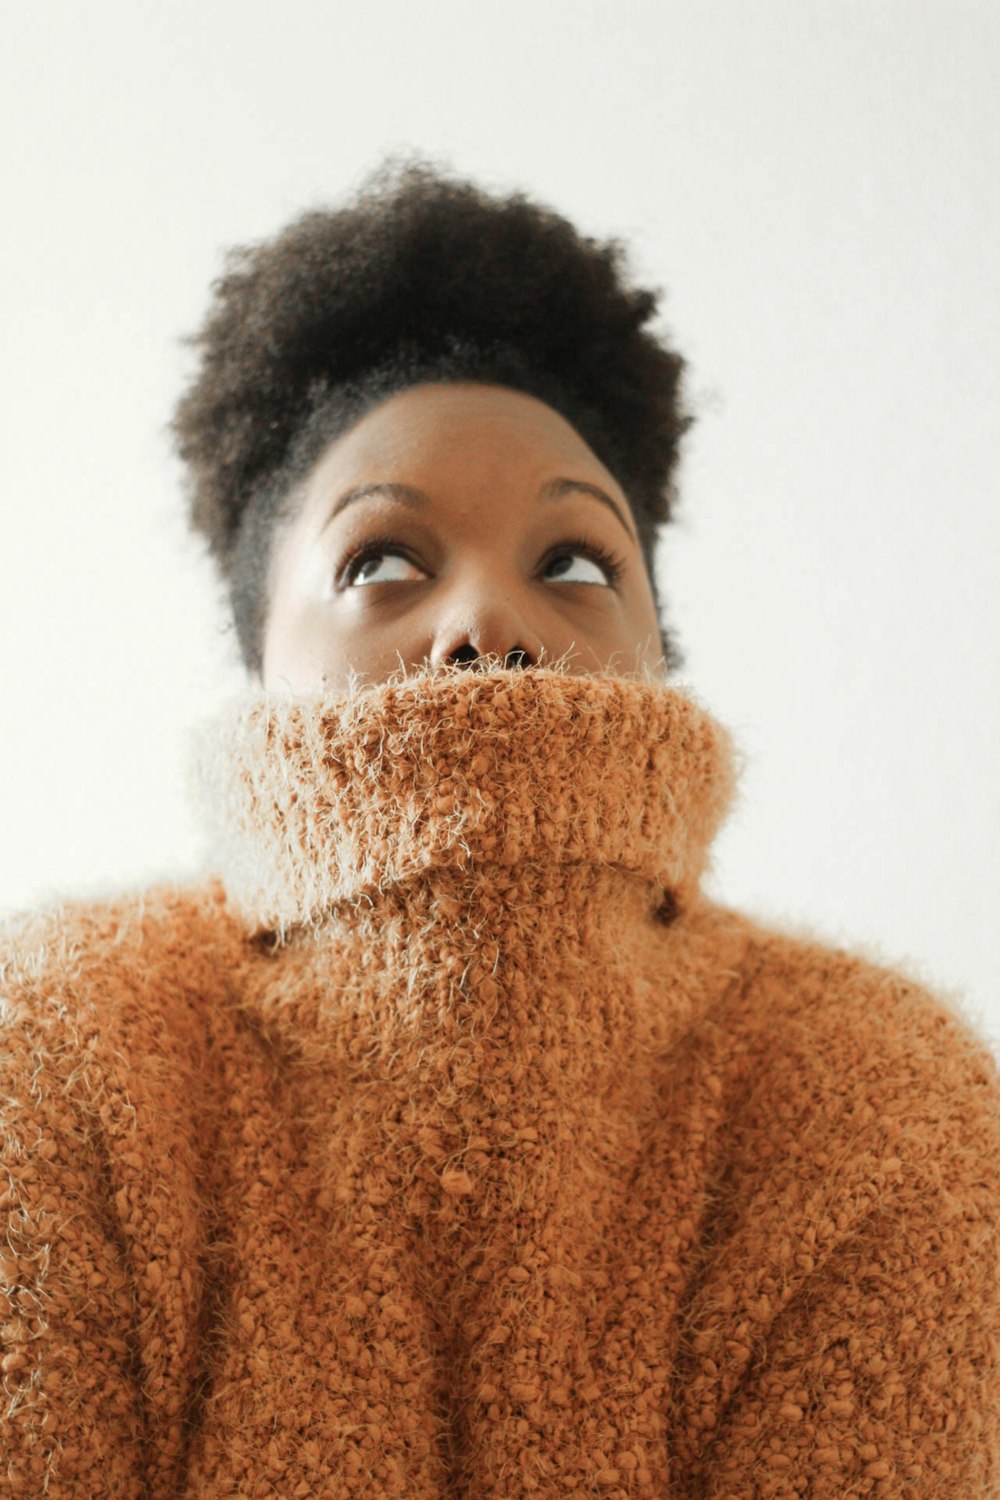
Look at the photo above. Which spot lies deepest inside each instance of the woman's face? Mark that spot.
(494, 557)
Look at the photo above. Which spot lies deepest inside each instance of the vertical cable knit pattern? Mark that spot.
(448, 1142)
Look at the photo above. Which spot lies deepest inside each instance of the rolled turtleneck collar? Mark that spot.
(314, 802)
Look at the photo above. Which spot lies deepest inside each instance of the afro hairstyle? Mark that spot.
(422, 277)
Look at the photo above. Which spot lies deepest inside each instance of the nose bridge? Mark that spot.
(483, 613)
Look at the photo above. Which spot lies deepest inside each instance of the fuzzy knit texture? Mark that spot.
(441, 1138)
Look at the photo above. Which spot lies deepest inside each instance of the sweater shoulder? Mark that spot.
(833, 1042)
(116, 961)
(808, 985)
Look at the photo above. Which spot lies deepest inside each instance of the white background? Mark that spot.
(816, 185)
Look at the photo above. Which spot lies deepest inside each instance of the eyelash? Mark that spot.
(376, 546)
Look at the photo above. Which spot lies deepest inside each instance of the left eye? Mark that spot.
(608, 566)
(568, 561)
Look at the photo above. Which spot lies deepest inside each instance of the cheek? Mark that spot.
(294, 629)
(645, 598)
(296, 653)
(296, 580)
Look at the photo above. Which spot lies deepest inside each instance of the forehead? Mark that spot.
(435, 421)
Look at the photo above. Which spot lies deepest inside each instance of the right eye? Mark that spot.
(374, 549)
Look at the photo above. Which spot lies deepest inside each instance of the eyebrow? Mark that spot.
(407, 494)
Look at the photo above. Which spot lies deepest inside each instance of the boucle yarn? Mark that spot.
(445, 1140)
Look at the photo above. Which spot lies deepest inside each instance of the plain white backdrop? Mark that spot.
(815, 184)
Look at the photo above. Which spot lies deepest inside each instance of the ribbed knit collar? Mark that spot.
(314, 802)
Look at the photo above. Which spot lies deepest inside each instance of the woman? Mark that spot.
(445, 1139)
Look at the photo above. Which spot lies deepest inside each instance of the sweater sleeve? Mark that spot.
(72, 1408)
(882, 1375)
(856, 1350)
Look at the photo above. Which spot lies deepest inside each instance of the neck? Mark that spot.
(456, 844)
(459, 891)
(320, 806)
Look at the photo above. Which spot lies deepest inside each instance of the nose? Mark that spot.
(484, 624)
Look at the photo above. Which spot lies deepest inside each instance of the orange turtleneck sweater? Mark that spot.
(444, 1140)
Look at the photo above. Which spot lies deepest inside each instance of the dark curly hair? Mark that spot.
(422, 277)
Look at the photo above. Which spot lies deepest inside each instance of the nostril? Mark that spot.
(468, 655)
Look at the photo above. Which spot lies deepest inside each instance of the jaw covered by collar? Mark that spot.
(431, 781)
(473, 1027)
